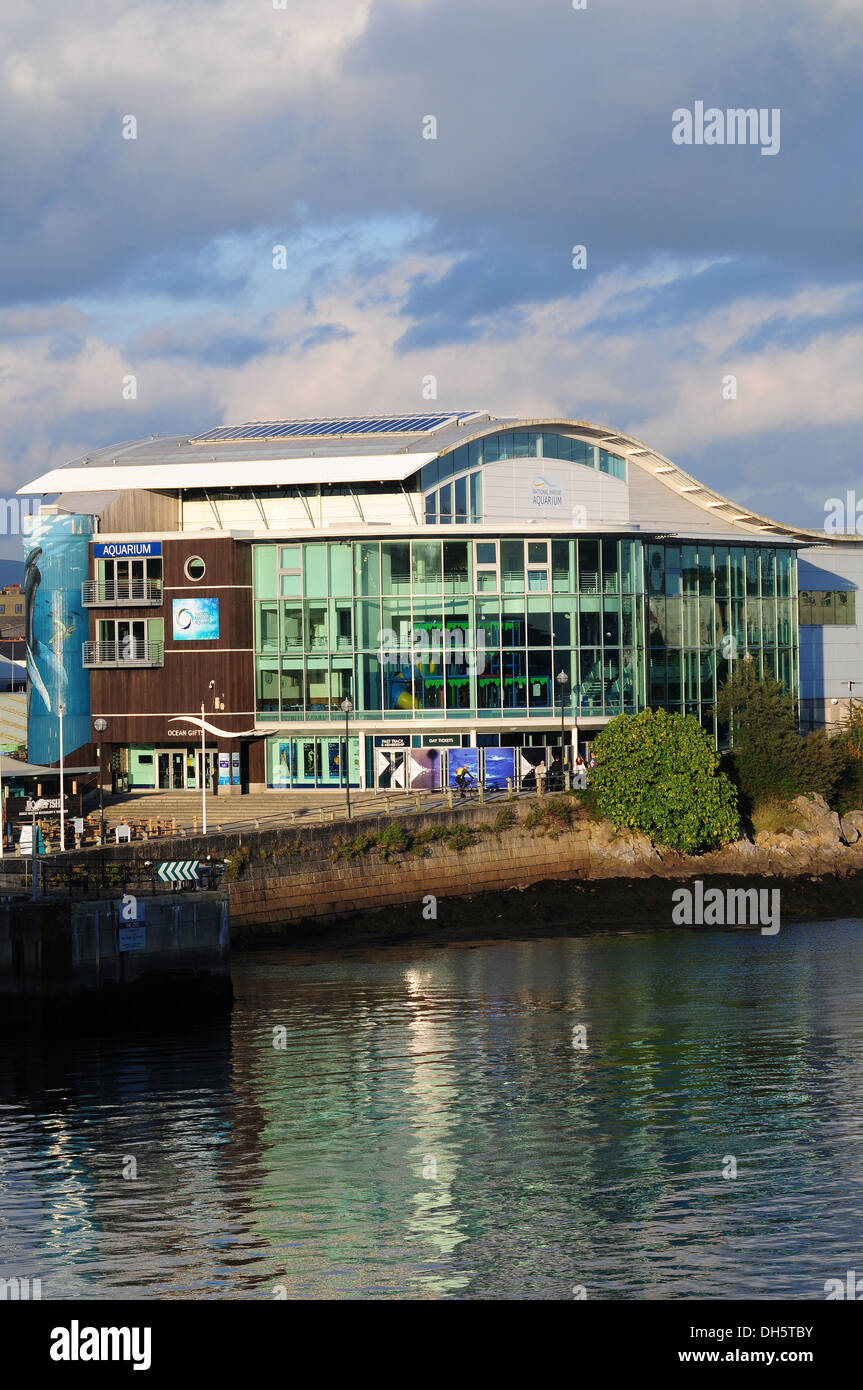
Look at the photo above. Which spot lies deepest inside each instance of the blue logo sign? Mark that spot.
(196, 619)
(126, 550)
(132, 938)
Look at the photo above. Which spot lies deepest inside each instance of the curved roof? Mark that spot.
(366, 449)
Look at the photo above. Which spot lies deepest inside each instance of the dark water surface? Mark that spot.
(429, 1130)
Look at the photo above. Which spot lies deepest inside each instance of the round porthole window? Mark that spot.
(194, 568)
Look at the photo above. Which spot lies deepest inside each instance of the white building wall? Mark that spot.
(548, 491)
(831, 656)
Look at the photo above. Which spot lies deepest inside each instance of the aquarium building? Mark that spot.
(416, 585)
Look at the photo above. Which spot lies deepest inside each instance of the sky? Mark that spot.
(304, 127)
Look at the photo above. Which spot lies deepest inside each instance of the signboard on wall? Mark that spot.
(392, 741)
(224, 769)
(23, 807)
(235, 769)
(547, 491)
(126, 550)
(195, 619)
(441, 740)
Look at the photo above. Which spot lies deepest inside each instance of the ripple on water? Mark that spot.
(426, 1127)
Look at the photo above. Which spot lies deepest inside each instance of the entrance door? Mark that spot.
(169, 769)
(131, 637)
(210, 776)
(390, 768)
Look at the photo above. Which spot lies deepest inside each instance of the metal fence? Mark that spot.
(96, 877)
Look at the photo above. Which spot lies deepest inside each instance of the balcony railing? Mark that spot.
(129, 652)
(127, 593)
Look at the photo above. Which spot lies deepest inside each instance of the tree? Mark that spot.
(659, 773)
(769, 757)
(848, 793)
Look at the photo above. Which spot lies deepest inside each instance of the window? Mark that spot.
(194, 568)
(19, 608)
(827, 607)
(121, 580)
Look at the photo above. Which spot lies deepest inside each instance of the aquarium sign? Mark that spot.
(196, 619)
(126, 550)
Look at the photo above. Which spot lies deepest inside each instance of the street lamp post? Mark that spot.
(203, 773)
(562, 682)
(100, 725)
(347, 705)
(61, 710)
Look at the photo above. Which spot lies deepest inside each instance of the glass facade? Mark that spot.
(452, 484)
(312, 761)
(479, 628)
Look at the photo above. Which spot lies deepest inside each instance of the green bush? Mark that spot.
(461, 837)
(504, 819)
(659, 773)
(238, 862)
(770, 758)
(394, 840)
(350, 849)
(848, 792)
(551, 814)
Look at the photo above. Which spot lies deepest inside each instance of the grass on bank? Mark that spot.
(548, 816)
(775, 816)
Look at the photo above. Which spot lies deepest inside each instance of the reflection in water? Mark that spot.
(429, 1129)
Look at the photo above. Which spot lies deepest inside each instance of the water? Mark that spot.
(430, 1131)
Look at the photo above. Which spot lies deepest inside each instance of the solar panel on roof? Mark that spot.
(292, 429)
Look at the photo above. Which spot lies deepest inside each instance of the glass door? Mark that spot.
(210, 778)
(169, 769)
(131, 638)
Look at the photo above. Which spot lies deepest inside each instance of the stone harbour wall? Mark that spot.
(621, 876)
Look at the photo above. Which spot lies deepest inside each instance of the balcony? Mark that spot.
(125, 593)
(130, 652)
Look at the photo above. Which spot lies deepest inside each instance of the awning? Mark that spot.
(12, 767)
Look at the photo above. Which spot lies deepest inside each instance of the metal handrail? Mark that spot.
(130, 652)
(96, 591)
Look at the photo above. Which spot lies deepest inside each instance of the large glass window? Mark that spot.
(478, 626)
(453, 502)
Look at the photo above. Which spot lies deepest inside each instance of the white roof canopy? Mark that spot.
(377, 468)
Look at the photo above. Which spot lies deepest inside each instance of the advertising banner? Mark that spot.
(463, 757)
(224, 769)
(235, 769)
(425, 769)
(57, 563)
(195, 619)
(499, 765)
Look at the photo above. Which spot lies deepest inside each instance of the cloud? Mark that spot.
(407, 257)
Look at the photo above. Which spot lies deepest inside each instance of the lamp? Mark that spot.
(562, 682)
(100, 725)
(346, 706)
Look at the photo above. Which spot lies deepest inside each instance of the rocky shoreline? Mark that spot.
(587, 878)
